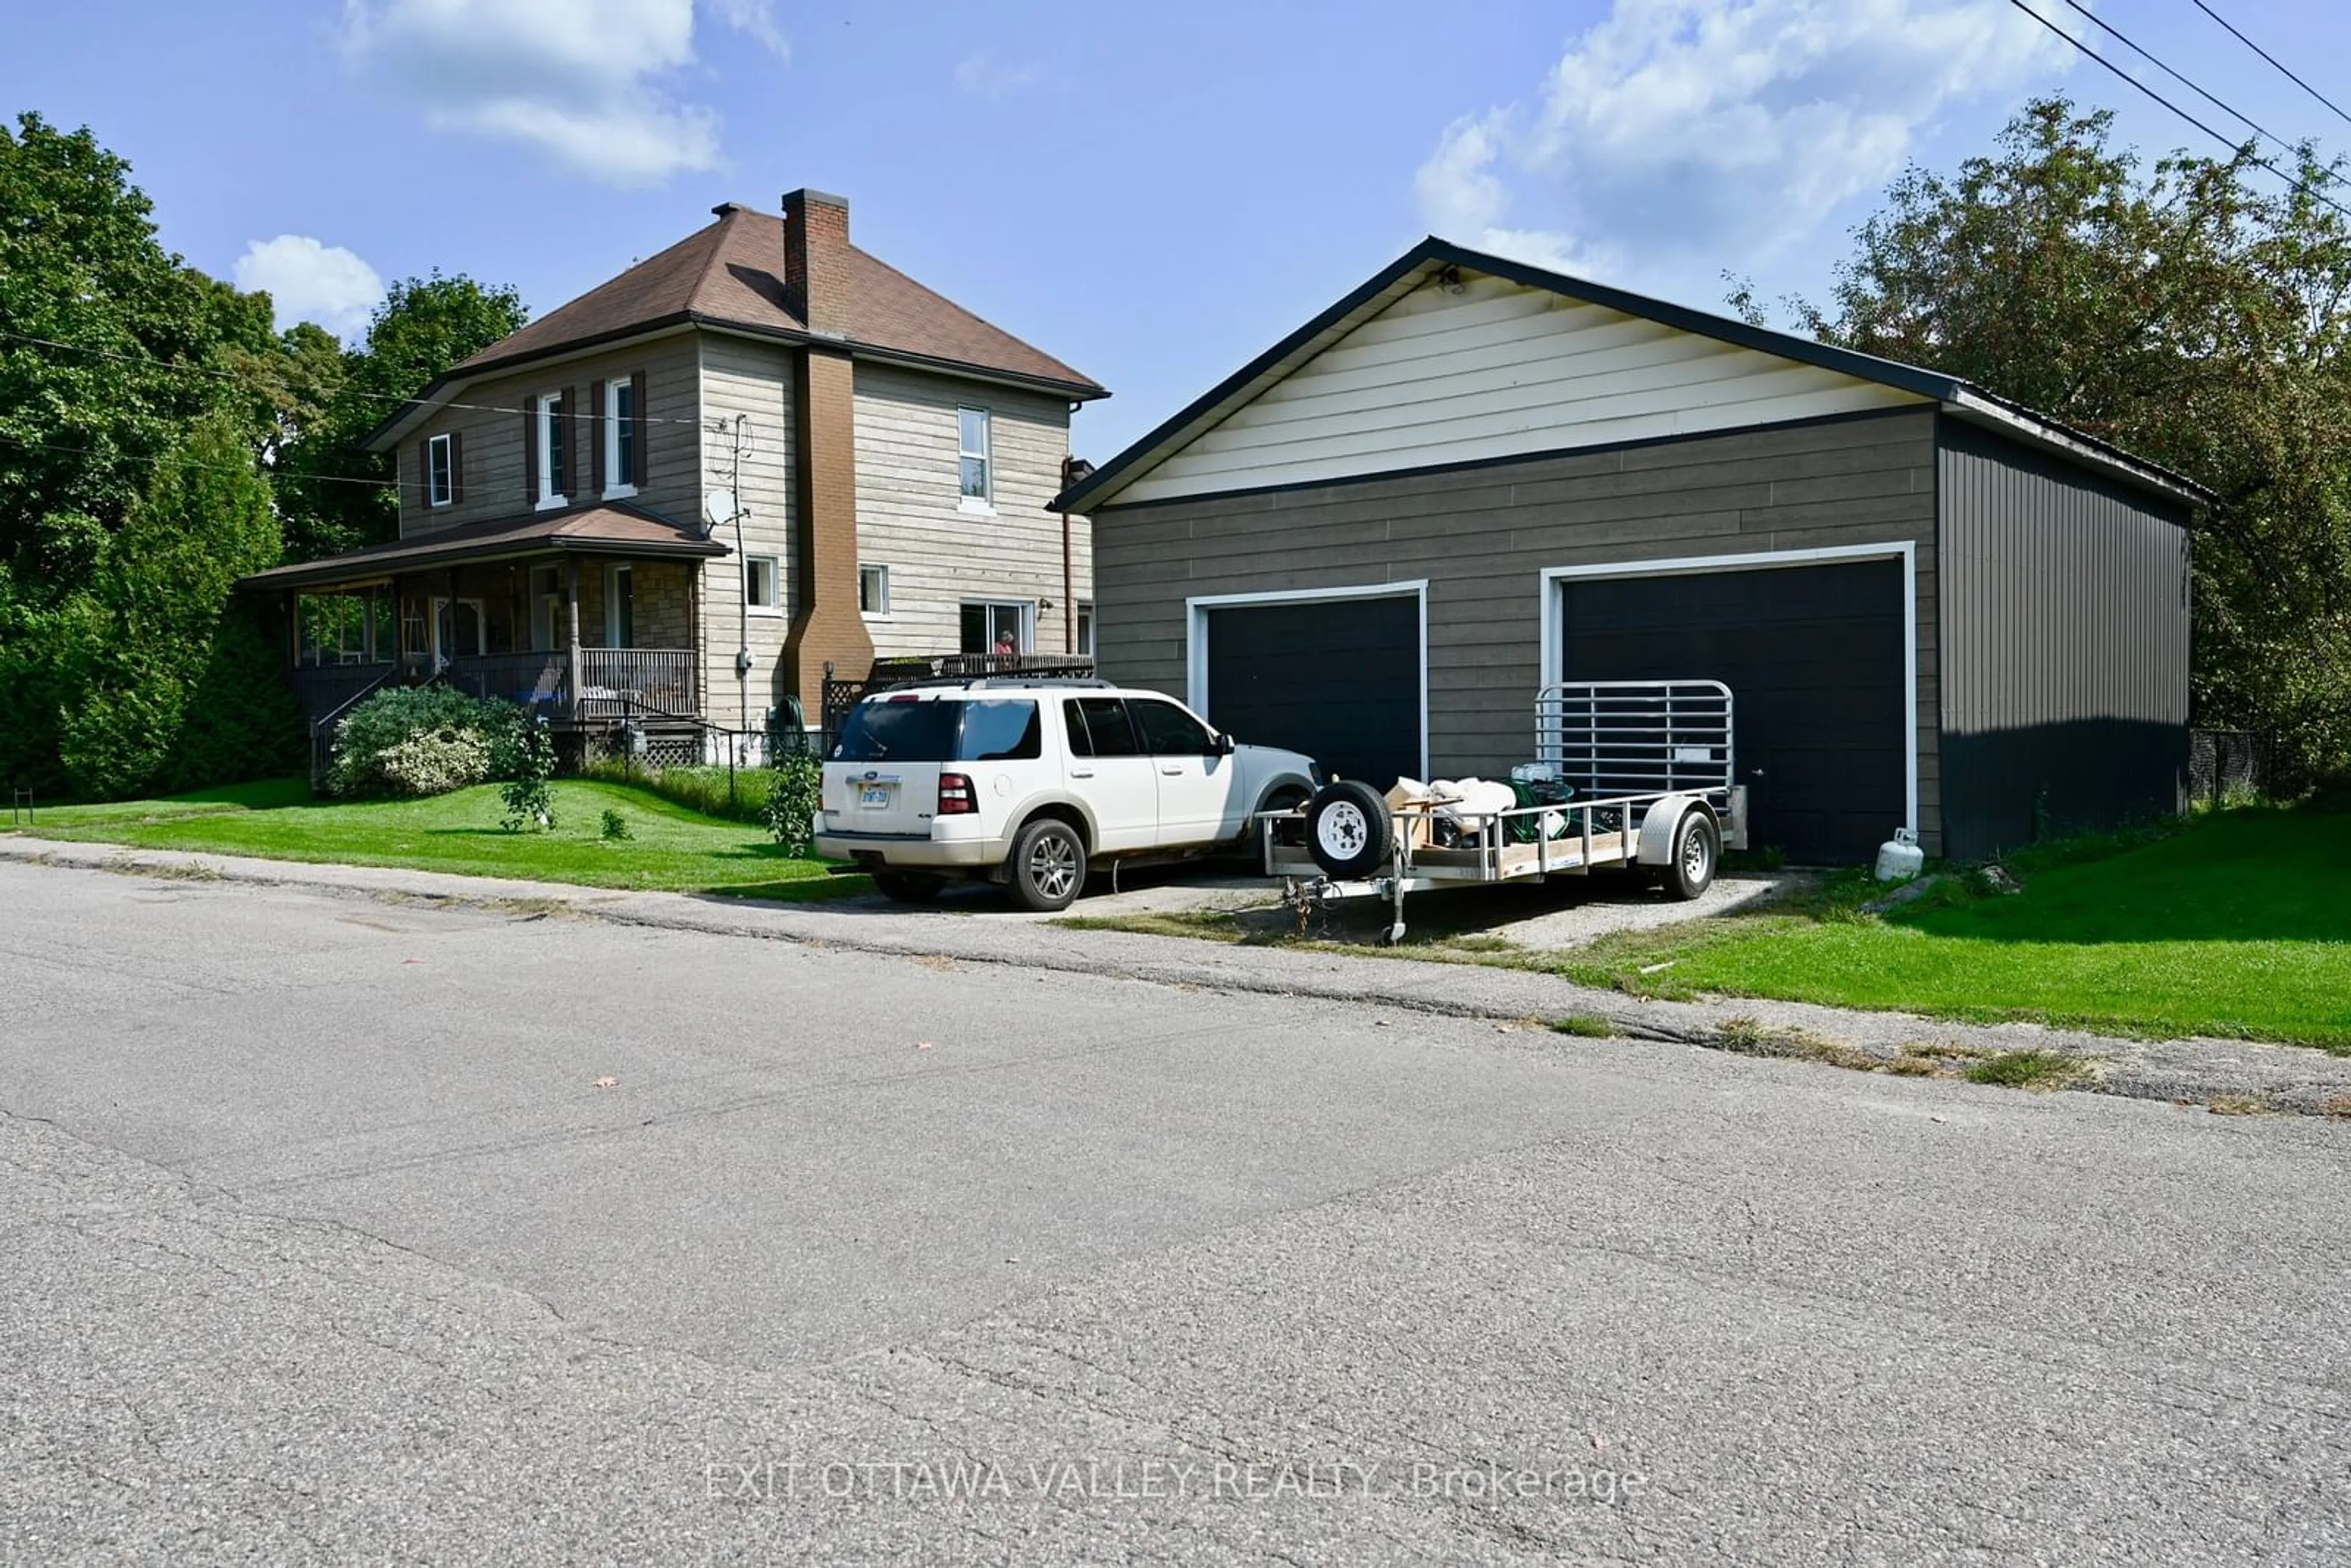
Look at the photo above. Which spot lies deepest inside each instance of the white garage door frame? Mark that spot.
(1196, 616)
(1554, 618)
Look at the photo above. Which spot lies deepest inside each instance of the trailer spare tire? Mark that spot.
(1348, 831)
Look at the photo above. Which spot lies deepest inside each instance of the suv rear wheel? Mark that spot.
(1048, 866)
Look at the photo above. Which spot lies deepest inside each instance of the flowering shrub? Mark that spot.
(435, 763)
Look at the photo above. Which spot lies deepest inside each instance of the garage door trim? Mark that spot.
(1904, 551)
(1195, 615)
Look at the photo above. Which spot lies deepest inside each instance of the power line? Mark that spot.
(251, 385)
(2133, 45)
(2274, 61)
(260, 468)
(2299, 184)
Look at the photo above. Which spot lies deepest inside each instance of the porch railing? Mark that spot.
(325, 689)
(617, 682)
(538, 681)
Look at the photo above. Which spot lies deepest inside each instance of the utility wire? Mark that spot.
(2274, 61)
(261, 468)
(2297, 183)
(2129, 43)
(252, 385)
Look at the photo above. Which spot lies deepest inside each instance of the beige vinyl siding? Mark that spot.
(492, 441)
(940, 556)
(1496, 371)
(742, 376)
(1483, 536)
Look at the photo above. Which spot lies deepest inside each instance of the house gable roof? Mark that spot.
(729, 275)
(1251, 431)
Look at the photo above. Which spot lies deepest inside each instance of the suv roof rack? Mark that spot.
(987, 682)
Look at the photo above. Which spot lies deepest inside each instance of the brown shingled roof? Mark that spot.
(598, 529)
(730, 273)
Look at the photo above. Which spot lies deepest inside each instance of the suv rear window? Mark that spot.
(996, 730)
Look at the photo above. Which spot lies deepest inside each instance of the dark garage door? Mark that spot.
(1814, 658)
(1338, 679)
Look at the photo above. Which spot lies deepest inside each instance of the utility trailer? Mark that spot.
(1649, 781)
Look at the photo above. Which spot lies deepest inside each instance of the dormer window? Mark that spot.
(554, 441)
(440, 471)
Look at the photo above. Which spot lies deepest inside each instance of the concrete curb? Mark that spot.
(2230, 1075)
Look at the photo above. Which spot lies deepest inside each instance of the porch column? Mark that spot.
(571, 609)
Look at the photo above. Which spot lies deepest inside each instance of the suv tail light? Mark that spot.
(956, 797)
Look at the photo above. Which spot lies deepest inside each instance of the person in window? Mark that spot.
(1007, 643)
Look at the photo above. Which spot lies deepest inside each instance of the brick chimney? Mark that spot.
(815, 260)
(826, 626)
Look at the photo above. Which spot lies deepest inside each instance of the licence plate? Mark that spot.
(875, 794)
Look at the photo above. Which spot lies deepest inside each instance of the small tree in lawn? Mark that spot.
(531, 801)
(792, 805)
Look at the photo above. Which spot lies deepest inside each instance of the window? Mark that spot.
(620, 443)
(761, 584)
(999, 628)
(1000, 732)
(971, 446)
(873, 590)
(619, 606)
(1169, 731)
(1085, 629)
(554, 443)
(440, 471)
(458, 631)
(1099, 727)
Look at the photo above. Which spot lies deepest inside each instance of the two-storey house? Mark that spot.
(758, 458)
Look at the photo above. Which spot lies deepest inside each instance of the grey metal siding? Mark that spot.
(1483, 536)
(2065, 604)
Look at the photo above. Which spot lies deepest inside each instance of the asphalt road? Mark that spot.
(342, 1230)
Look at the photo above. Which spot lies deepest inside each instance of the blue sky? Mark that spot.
(1153, 193)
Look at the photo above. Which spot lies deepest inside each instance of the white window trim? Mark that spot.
(775, 581)
(1904, 551)
(984, 504)
(883, 614)
(549, 466)
(1028, 608)
(609, 432)
(1195, 615)
(1084, 612)
(441, 656)
(446, 445)
(613, 598)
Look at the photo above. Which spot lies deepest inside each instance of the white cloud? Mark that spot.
(984, 76)
(307, 281)
(756, 19)
(578, 78)
(1718, 132)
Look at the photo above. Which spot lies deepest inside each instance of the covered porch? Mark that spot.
(585, 616)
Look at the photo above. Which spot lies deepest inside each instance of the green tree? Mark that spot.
(332, 491)
(2195, 314)
(157, 642)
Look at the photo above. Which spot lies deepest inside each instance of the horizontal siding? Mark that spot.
(2065, 689)
(752, 380)
(1496, 371)
(490, 425)
(1482, 538)
(939, 556)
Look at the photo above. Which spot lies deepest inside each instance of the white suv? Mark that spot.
(1029, 781)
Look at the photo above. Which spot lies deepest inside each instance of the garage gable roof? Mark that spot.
(1451, 356)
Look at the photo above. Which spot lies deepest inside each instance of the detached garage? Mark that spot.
(1470, 478)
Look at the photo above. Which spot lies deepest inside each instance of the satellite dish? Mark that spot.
(717, 507)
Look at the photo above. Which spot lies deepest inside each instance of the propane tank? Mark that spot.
(1899, 858)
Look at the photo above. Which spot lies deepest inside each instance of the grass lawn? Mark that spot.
(669, 847)
(2236, 924)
